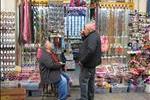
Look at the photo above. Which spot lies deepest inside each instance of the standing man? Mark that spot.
(90, 57)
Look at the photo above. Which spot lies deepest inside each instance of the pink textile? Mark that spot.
(72, 3)
(39, 53)
(104, 43)
(27, 25)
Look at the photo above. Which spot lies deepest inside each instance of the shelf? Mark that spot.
(134, 52)
(128, 5)
(109, 57)
(72, 37)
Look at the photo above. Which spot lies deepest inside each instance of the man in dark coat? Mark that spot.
(90, 57)
(50, 69)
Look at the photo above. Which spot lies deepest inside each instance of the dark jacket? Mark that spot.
(49, 70)
(90, 51)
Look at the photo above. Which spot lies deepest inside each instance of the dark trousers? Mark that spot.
(87, 81)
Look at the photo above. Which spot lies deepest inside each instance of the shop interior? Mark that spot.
(124, 29)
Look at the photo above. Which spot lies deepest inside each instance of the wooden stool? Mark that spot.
(49, 90)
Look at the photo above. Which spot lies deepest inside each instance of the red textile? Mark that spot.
(54, 57)
(72, 3)
(26, 26)
(39, 53)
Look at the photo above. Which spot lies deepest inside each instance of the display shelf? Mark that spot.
(112, 26)
(7, 43)
(134, 52)
(138, 55)
(75, 19)
(128, 5)
(56, 24)
(29, 52)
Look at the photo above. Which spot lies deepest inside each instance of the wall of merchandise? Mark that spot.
(124, 33)
(7, 43)
(75, 20)
(125, 61)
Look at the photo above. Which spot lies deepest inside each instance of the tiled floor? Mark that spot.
(110, 96)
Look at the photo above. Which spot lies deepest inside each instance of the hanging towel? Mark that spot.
(27, 25)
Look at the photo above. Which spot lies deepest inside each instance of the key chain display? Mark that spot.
(7, 43)
(56, 24)
(139, 49)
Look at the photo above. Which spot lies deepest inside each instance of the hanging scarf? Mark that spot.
(54, 57)
(52, 54)
(27, 24)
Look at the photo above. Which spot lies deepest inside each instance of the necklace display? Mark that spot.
(113, 19)
(113, 24)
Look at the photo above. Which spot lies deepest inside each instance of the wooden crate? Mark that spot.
(13, 94)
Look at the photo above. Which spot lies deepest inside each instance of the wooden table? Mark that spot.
(13, 93)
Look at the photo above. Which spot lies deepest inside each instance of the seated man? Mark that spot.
(50, 69)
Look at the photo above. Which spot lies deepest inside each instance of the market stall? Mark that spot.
(122, 36)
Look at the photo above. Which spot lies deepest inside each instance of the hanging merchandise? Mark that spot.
(72, 3)
(75, 21)
(40, 19)
(56, 24)
(112, 24)
(77, 3)
(104, 43)
(27, 23)
(21, 16)
(138, 49)
(113, 19)
(7, 45)
(29, 77)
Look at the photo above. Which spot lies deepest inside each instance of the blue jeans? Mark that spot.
(68, 80)
(62, 88)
